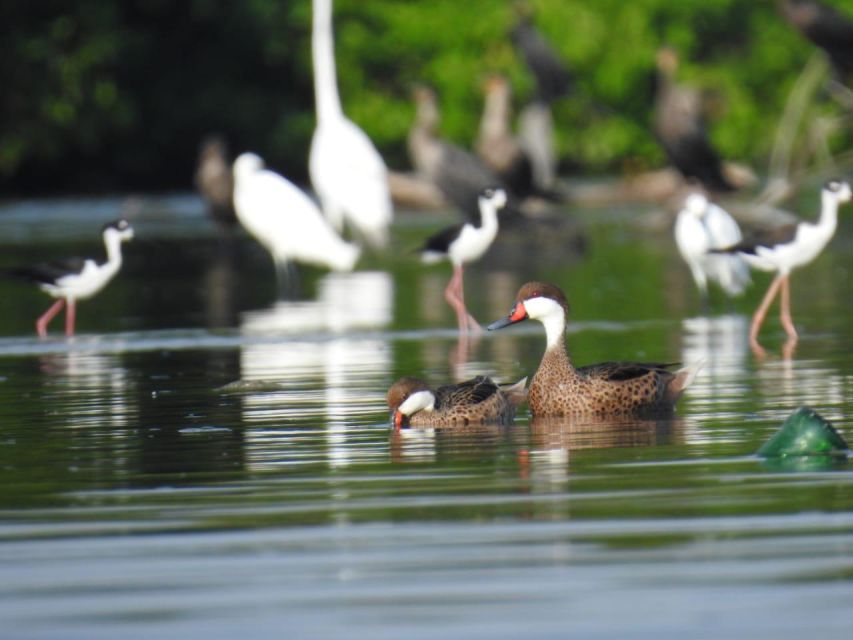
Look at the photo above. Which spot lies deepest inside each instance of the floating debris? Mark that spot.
(804, 433)
(250, 386)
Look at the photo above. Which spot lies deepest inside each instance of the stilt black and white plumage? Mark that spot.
(76, 279)
(783, 249)
(462, 244)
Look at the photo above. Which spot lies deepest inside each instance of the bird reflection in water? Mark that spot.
(98, 386)
(567, 433)
(345, 368)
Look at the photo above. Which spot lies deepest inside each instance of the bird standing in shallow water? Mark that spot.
(475, 401)
(599, 390)
(700, 227)
(785, 248)
(346, 170)
(680, 127)
(76, 278)
(465, 243)
(285, 220)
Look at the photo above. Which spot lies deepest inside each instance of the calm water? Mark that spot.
(204, 462)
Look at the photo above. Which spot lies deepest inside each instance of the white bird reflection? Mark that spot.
(722, 343)
(320, 375)
(98, 384)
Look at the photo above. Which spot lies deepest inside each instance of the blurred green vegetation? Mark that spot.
(108, 95)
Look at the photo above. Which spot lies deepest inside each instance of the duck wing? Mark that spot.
(619, 371)
(473, 391)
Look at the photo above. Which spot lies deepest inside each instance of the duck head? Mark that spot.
(406, 397)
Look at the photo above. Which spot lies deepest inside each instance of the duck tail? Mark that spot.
(516, 393)
(682, 379)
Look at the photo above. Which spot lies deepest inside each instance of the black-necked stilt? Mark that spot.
(475, 401)
(465, 243)
(76, 278)
(347, 172)
(606, 389)
(680, 127)
(286, 221)
(785, 248)
(458, 174)
(215, 183)
(700, 227)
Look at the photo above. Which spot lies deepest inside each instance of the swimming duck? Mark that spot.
(475, 401)
(609, 388)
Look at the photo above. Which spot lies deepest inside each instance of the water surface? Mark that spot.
(202, 460)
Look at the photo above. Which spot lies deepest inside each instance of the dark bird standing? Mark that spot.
(680, 127)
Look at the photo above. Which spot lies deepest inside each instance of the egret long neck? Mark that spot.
(328, 101)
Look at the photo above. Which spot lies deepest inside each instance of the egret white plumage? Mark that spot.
(347, 172)
(286, 221)
(700, 227)
(76, 278)
(465, 243)
(785, 248)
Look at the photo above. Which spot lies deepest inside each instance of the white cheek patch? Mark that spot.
(552, 316)
(418, 401)
(541, 308)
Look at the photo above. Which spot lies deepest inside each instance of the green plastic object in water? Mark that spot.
(804, 433)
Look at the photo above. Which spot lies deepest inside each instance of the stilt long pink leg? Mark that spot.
(761, 312)
(70, 317)
(471, 323)
(47, 316)
(785, 309)
(451, 294)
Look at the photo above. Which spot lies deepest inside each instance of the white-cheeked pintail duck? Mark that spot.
(606, 389)
(475, 401)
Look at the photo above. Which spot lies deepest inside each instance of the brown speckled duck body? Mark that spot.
(606, 389)
(475, 401)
